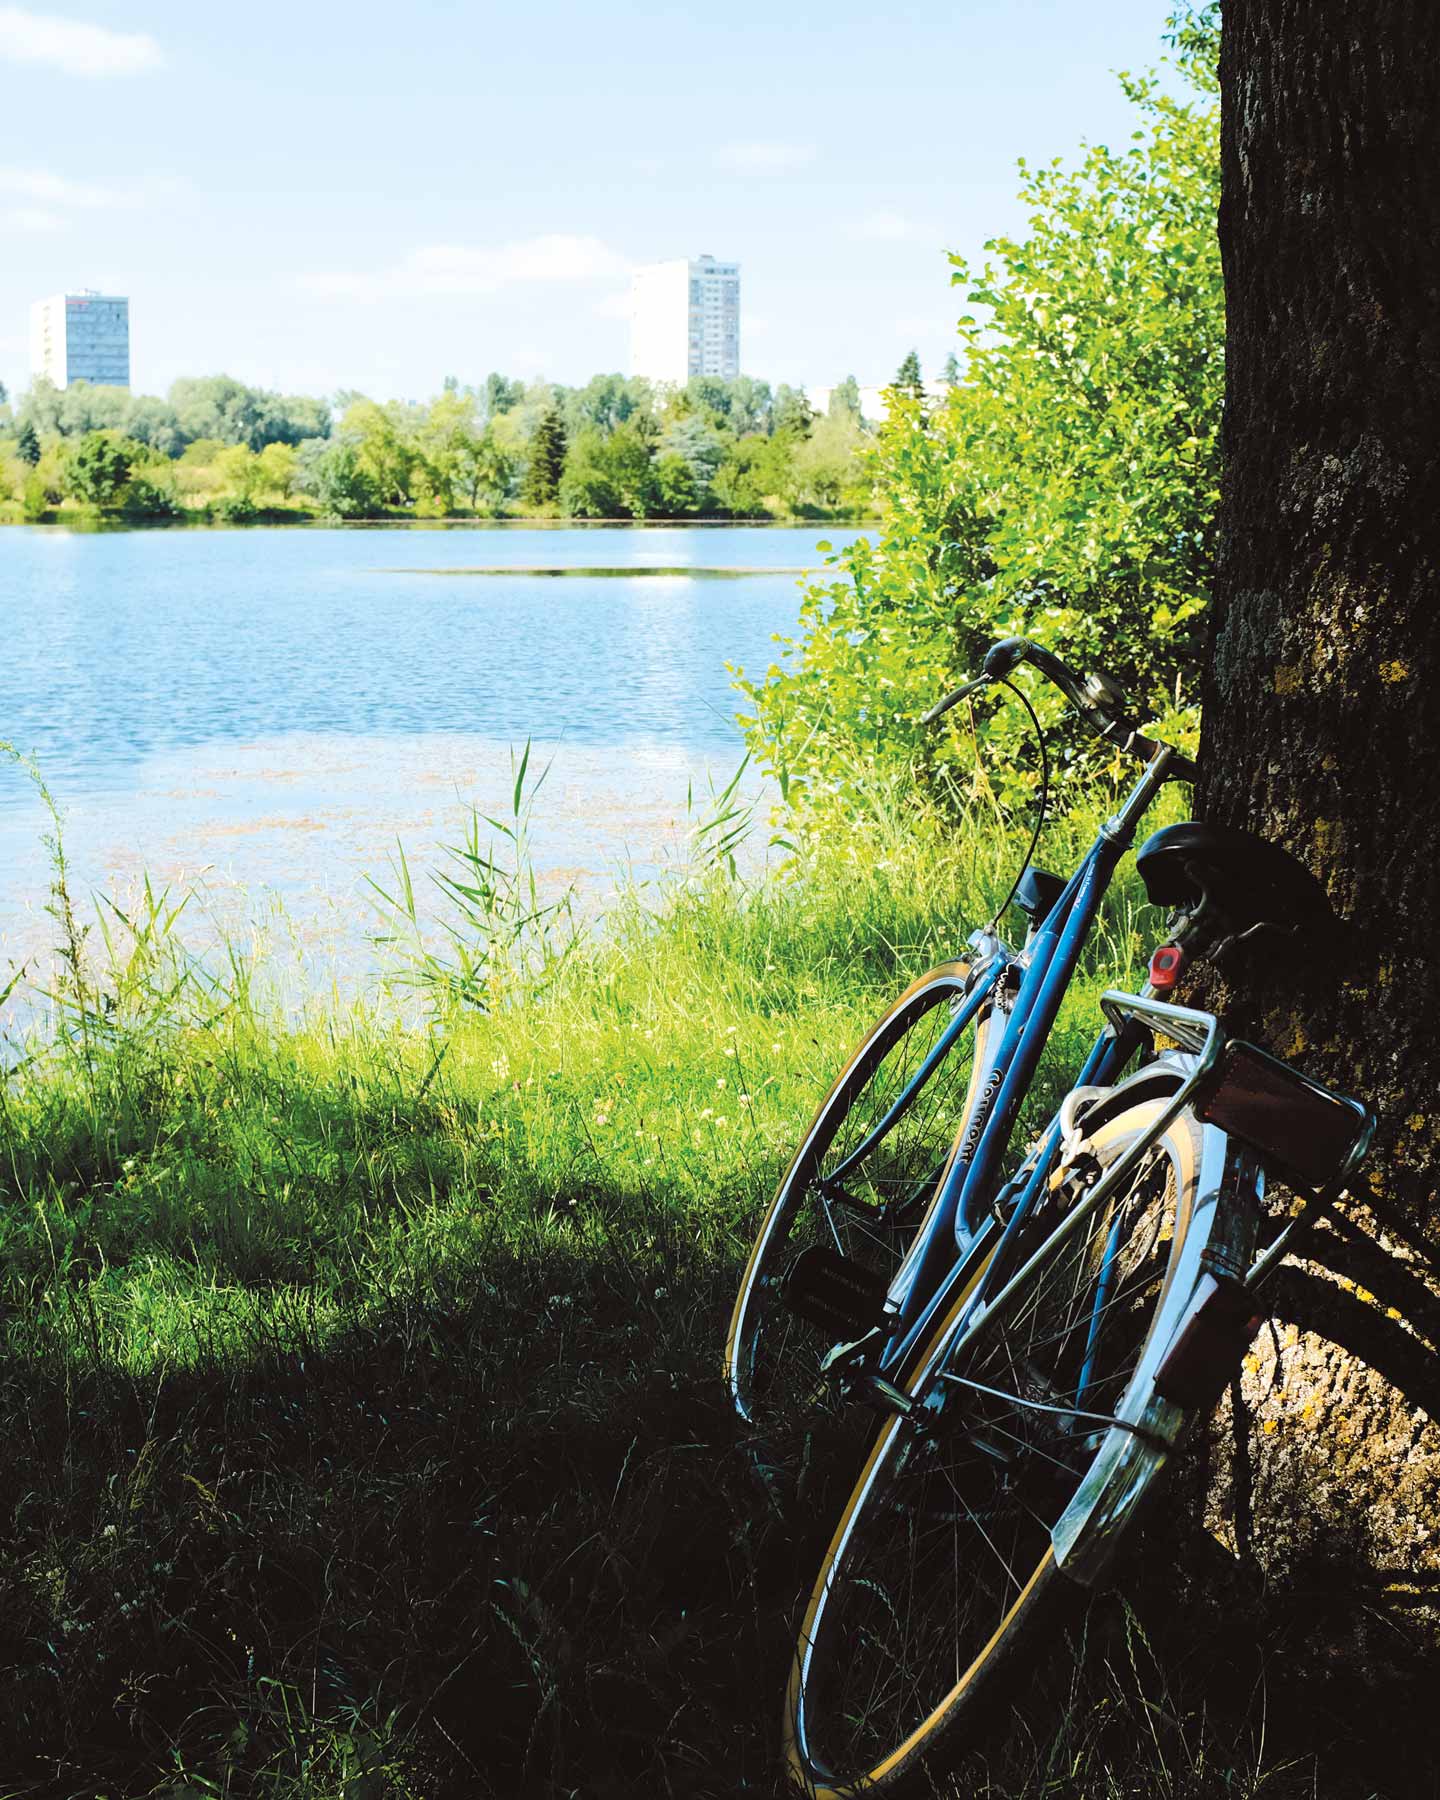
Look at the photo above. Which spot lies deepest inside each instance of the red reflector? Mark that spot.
(1207, 1349)
(1165, 967)
(1306, 1129)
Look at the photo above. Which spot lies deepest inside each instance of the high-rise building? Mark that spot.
(685, 319)
(81, 337)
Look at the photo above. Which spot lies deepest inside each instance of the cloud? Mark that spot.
(461, 269)
(763, 158)
(56, 190)
(891, 228)
(33, 218)
(77, 48)
(46, 199)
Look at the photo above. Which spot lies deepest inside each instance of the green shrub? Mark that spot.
(234, 509)
(34, 499)
(99, 467)
(151, 495)
(1064, 489)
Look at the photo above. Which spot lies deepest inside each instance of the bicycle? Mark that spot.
(1036, 1339)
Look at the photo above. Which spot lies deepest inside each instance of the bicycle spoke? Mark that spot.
(970, 1514)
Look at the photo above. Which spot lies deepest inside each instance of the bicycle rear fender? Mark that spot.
(1220, 1239)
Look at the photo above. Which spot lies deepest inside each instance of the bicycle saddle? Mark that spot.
(1248, 879)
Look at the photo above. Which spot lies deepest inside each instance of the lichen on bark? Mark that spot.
(1321, 730)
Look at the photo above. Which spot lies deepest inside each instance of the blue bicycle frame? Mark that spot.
(964, 1214)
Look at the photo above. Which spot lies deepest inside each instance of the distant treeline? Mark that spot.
(620, 448)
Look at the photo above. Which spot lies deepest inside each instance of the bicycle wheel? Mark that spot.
(941, 1573)
(772, 1359)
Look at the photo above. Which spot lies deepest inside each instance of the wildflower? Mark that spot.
(730, 1030)
(706, 1112)
(729, 1049)
(774, 1049)
(720, 1081)
(745, 1100)
(602, 1118)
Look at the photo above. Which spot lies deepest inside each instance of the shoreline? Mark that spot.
(59, 519)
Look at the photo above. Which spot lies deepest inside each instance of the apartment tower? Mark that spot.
(81, 337)
(685, 319)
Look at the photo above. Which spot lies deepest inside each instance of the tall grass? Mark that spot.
(362, 1429)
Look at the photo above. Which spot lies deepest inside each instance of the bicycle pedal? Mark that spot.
(841, 1360)
(835, 1292)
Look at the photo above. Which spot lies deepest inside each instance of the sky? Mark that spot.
(317, 196)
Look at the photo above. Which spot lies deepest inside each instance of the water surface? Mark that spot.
(272, 709)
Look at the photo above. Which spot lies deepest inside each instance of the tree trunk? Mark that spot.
(1322, 728)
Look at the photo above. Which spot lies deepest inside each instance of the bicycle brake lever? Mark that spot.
(954, 699)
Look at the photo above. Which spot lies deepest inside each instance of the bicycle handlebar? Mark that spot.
(1098, 699)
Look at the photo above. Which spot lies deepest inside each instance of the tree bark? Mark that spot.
(1322, 732)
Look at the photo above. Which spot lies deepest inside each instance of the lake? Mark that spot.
(264, 713)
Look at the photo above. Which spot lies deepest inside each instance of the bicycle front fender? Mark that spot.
(1220, 1239)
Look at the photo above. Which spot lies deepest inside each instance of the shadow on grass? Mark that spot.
(488, 1536)
(492, 1536)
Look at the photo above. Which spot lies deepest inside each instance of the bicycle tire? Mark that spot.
(772, 1359)
(940, 1575)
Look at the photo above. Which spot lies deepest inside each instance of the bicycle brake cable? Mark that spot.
(1044, 798)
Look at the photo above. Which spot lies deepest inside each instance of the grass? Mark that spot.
(363, 1435)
